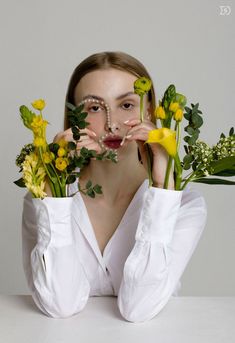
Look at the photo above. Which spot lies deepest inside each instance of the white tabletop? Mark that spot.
(183, 319)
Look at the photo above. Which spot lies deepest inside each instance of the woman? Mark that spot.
(133, 241)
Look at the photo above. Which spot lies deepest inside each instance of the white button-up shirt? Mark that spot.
(141, 265)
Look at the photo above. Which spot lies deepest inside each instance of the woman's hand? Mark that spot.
(88, 141)
(139, 132)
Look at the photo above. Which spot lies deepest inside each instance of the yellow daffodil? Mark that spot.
(39, 142)
(174, 106)
(165, 137)
(61, 163)
(48, 157)
(142, 85)
(178, 115)
(38, 104)
(61, 152)
(160, 112)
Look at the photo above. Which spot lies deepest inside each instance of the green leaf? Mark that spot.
(189, 130)
(197, 120)
(231, 132)
(91, 193)
(81, 125)
(20, 183)
(187, 116)
(71, 146)
(71, 179)
(98, 189)
(223, 164)
(188, 158)
(227, 172)
(214, 181)
(186, 139)
(88, 184)
(76, 135)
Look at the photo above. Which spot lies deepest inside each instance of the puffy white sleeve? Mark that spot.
(169, 228)
(55, 276)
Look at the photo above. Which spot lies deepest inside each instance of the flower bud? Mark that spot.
(160, 112)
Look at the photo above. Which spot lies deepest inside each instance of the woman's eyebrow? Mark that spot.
(101, 99)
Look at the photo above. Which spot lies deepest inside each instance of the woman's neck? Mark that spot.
(118, 180)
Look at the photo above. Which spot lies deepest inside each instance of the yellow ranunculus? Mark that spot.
(178, 115)
(142, 85)
(39, 142)
(174, 106)
(61, 152)
(61, 163)
(165, 137)
(62, 142)
(38, 104)
(160, 112)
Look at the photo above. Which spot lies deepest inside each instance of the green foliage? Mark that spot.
(26, 115)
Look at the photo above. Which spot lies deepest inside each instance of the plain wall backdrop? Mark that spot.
(185, 42)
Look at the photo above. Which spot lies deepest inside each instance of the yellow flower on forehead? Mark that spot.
(39, 104)
(160, 112)
(61, 163)
(165, 137)
(142, 85)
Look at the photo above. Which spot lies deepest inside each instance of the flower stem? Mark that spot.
(168, 169)
(148, 149)
(178, 169)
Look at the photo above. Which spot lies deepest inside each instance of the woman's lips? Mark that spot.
(113, 142)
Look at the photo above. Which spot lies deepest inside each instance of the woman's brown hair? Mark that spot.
(105, 60)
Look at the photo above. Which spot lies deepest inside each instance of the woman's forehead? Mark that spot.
(106, 84)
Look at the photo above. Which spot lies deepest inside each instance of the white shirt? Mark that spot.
(141, 265)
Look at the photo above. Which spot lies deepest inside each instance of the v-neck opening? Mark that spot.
(91, 228)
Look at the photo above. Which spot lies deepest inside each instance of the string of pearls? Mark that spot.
(107, 110)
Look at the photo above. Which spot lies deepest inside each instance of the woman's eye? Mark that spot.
(94, 108)
(128, 106)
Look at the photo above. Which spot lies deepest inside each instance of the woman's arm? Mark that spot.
(55, 276)
(169, 228)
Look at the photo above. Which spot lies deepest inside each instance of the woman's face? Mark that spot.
(115, 88)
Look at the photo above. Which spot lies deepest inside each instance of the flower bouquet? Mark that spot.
(55, 164)
(204, 161)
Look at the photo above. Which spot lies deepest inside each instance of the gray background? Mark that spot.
(187, 43)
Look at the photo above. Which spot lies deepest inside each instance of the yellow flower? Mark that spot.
(165, 137)
(174, 106)
(38, 123)
(160, 112)
(39, 104)
(34, 175)
(62, 143)
(48, 157)
(61, 163)
(61, 152)
(178, 115)
(39, 142)
(142, 85)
